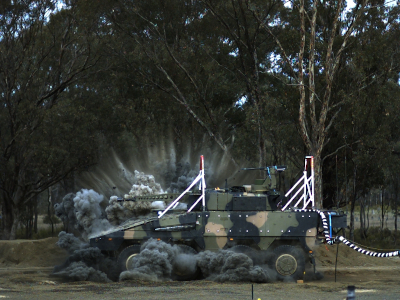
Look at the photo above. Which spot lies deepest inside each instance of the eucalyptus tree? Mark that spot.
(286, 63)
(368, 131)
(170, 47)
(312, 41)
(44, 134)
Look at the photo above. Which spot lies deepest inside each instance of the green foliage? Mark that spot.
(48, 126)
(378, 239)
(172, 73)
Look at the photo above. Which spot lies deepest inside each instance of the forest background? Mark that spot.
(157, 83)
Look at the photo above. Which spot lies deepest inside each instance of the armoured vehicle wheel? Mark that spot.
(126, 257)
(289, 262)
(185, 265)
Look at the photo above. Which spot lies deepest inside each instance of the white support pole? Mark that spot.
(194, 204)
(312, 181)
(291, 199)
(298, 202)
(307, 186)
(203, 182)
(181, 195)
(293, 187)
(200, 178)
(310, 199)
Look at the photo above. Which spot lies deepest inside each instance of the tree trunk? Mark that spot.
(352, 219)
(362, 214)
(14, 227)
(318, 182)
(396, 209)
(382, 210)
(35, 222)
(7, 218)
(353, 203)
(49, 211)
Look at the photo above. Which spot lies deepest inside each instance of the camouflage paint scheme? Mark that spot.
(247, 216)
(230, 218)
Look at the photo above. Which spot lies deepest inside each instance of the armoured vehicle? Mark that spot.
(254, 219)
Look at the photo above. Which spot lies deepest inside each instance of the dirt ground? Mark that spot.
(26, 266)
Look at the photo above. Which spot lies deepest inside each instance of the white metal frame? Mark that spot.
(307, 187)
(202, 187)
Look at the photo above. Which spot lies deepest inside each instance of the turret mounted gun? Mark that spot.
(269, 183)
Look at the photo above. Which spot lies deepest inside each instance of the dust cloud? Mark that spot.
(143, 185)
(89, 213)
(84, 263)
(83, 212)
(66, 211)
(224, 265)
(154, 263)
(180, 182)
(159, 261)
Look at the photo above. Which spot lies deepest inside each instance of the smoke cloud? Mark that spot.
(180, 182)
(154, 263)
(84, 263)
(79, 271)
(66, 211)
(89, 213)
(83, 212)
(159, 261)
(227, 265)
(120, 211)
(144, 185)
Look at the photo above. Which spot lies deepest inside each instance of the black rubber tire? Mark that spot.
(185, 274)
(127, 254)
(289, 262)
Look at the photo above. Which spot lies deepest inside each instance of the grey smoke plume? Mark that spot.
(69, 242)
(183, 177)
(157, 260)
(66, 210)
(120, 211)
(226, 265)
(83, 211)
(89, 213)
(84, 263)
(144, 185)
(79, 271)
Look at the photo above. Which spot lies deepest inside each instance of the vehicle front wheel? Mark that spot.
(127, 257)
(289, 262)
(185, 264)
